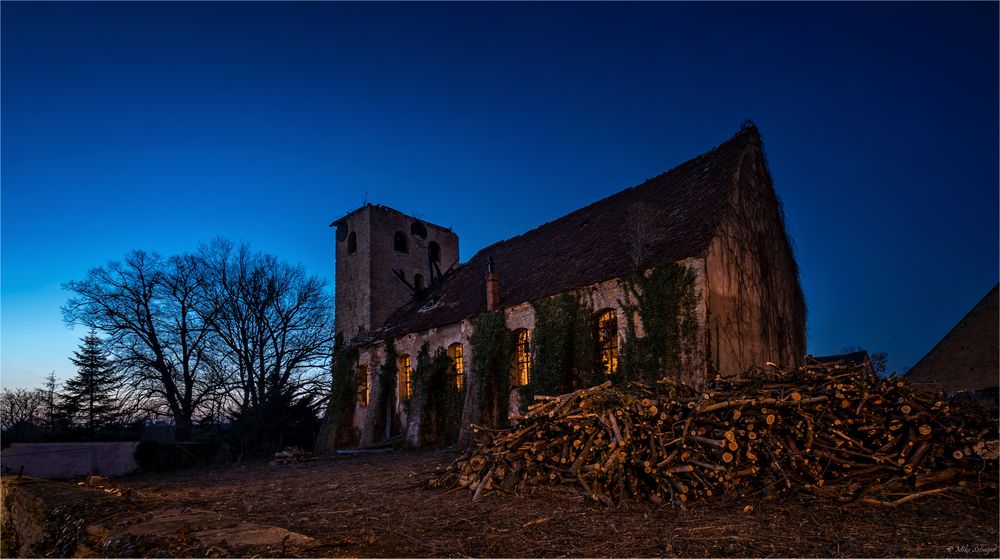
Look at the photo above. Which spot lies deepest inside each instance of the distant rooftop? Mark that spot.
(968, 357)
(853, 359)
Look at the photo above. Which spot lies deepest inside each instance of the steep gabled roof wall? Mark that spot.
(756, 309)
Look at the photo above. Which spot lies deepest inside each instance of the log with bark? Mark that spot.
(839, 433)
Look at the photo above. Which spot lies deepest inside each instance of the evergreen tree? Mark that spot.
(51, 404)
(89, 395)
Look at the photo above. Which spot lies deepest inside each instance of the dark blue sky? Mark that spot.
(161, 125)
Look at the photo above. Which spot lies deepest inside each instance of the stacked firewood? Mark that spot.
(292, 455)
(840, 433)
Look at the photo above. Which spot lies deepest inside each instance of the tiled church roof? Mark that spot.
(672, 217)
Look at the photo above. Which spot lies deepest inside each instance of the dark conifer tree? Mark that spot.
(51, 407)
(90, 394)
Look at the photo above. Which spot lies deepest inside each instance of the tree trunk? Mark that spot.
(182, 429)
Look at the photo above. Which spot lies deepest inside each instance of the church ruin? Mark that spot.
(688, 274)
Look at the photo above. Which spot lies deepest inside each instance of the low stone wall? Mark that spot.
(68, 460)
(42, 518)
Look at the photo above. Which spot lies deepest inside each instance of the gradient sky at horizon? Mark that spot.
(162, 125)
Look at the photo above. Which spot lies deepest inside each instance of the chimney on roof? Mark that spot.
(492, 286)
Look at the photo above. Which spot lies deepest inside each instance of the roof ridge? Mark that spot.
(747, 130)
(594, 243)
(955, 328)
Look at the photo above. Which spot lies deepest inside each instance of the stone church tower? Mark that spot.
(385, 259)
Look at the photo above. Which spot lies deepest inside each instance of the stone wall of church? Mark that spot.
(373, 357)
(604, 295)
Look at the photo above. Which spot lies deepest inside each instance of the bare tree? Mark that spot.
(275, 322)
(151, 313)
(21, 405)
(209, 334)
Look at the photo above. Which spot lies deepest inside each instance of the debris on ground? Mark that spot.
(97, 481)
(838, 433)
(292, 455)
(46, 518)
(358, 451)
(104, 483)
(339, 499)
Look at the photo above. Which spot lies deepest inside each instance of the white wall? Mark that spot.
(65, 460)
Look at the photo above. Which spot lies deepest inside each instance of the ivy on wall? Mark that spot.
(338, 426)
(436, 401)
(562, 347)
(385, 401)
(767, 317)
(663, 300)
(491, 343)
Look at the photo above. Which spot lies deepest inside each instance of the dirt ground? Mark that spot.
(374, 505)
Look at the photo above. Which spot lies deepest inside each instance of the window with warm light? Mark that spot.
(455, 352)
(522, 358)
(363, 391)
(607, 341)
(404, 377)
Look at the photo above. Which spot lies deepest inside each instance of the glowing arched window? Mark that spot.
(522, 358)
(352, 243)
(434, 251)
(455, 352)
(362, 378)
(404, 377)
(607, 340)
(399, 242)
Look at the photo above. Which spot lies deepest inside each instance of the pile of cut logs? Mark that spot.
(839, 433)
